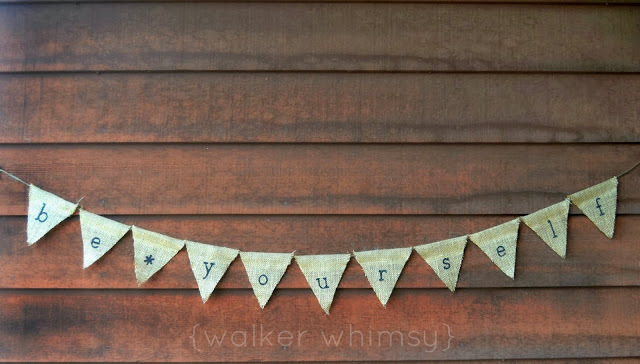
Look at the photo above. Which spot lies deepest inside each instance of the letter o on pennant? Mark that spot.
(263, 279)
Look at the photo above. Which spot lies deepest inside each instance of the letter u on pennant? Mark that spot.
(323, 272)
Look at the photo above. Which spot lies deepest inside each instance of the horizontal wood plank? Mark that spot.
(165, 179)
(321, 36)
(56, 261)
(318, 107)
(473, 324)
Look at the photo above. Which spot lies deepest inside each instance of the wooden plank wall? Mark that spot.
(323, 127)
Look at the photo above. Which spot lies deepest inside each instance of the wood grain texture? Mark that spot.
(323, 127)
(56, 261)
(318, 107)
(316, 179)
(472, 324)
(302, 36)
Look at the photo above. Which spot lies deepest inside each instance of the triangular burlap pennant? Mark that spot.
(46, 210)
(99, 234)
(382, 268)
(152, 251)
(209, 263)
(265, 271)
(499, 244)
(599, 204)
(445, 257)
(323, 272)
(550, 224)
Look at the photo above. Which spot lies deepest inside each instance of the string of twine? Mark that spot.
(16, 178)
(26, 184)
(629, 170)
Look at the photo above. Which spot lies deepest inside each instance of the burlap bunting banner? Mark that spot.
(46, 210)
(209, 263)
(265, 271)
(99, 235)
(599, 204)
(550, 224)
(445, 258)
(499, 244)
(323, 272)
(383, 268)
(152, 251)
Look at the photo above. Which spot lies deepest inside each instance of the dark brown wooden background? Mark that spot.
(323, 127)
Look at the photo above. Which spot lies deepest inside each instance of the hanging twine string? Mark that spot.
(629, 170)
(397, 258)
(26, 184)
(14, 177)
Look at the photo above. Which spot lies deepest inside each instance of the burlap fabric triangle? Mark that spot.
(499, 244)
(550, 224)
(445, 258)
(383, 268)
(209, 263)
(46, 211)
(599, 204)
(99, 235)
(323, 272)
(152, 251)
(264, 271)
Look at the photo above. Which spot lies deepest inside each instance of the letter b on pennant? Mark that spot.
(46, 210)
(42, 216)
